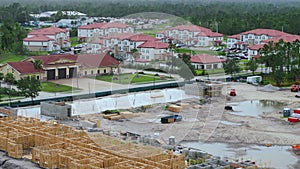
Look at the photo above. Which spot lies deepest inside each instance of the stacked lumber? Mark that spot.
(175, 108)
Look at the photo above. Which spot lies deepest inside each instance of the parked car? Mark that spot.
(230, 55)
(243, 57)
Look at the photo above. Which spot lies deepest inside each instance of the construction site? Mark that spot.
(146, 128)
(53, 145)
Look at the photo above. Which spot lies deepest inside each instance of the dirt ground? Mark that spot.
(205, 123)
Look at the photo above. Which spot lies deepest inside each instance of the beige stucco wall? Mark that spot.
(8, 69)
(94, 71)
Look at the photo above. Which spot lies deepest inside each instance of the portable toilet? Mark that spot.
(286, 112)
(172, 140)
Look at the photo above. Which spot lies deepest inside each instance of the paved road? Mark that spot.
(89, 86)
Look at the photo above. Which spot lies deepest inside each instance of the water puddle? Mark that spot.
(272, 157)
(255, 108)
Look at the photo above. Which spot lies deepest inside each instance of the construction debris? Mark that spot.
(57, 146)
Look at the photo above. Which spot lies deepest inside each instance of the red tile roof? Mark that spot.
(49, 59)
(239, 43)
(24, 67)
(92, 26)
(194, 28)
(215, 34)
(205, 58)
(154, 44)
(48, 31)
(121, 36)
(238, 36)
(269, 32)
(104, 25)
(86, 60)
(256, 56)
(256, 47)
(98, 41)
(287, 38)
(96, 60)
(38, 38)
(141, 37)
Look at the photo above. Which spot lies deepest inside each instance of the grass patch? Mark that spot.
(38, 53)
(270, 80)
(53, 87)
(149, 32)
(74, 41)
(9, 57)
(209, 72)
(131, 78)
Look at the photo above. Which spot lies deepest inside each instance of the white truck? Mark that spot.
(254, 79)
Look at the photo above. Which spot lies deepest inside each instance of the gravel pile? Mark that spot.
(268, 88)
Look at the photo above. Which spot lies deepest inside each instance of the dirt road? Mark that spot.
(214, 124)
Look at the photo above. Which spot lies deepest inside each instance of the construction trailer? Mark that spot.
(52, 146)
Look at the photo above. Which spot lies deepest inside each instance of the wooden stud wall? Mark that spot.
(57, 146)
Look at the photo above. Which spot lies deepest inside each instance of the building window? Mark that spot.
(104, 70)
(92, 72)
(38, 77)
(98, 71)
(85, 72)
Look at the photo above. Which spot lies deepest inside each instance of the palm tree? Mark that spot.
(38, 64)
(172, 47)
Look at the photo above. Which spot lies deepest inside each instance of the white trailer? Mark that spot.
(254, 79)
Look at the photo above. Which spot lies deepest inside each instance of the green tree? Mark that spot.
(252, 65)
(38, 64)
(29, 86)
(59, 15)
(1, 76)
(231, 67)
(11, 37)
(9, 78)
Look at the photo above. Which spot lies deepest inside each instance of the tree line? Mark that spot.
(283, 60)
(225, 17)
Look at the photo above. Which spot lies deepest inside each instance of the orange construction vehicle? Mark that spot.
(295, 88)
(296, 147)
(232, 92)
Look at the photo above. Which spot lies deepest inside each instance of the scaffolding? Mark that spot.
(58, 146)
